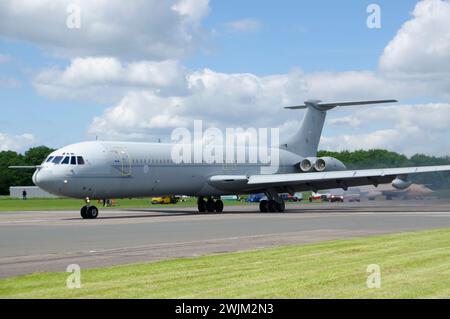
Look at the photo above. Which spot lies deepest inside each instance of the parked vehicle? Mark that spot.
(256, 198)
(164, 200)
(315, 196)
(319, 197)
(292, 198)
(230, 197)
(336, 198)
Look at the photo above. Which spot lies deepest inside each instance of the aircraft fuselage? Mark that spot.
(129, 169)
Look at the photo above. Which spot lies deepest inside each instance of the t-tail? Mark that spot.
(306, 140)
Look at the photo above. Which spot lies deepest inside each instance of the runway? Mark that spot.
(50, 241)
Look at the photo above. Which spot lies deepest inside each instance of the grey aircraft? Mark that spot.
(102, 170)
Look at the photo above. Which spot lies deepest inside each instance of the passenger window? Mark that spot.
(65, 160)
(57, 159)
(80, 160)
(49, 159)
(73, 160)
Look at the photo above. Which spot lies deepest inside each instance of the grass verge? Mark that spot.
(413, 265)
(50, 204)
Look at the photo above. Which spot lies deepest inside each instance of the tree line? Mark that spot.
(20, 177)
(360, 159)
(378, 158)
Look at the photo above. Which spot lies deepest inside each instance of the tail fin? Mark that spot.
(306, 140)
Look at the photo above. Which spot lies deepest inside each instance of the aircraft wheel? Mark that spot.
(201, 205)
(218, 206)
(83, 212)
(273, 206)
(210, 205)
(263, 206)
(281, 206)
(92, 212)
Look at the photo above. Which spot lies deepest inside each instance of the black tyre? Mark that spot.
(273, 206)
(218, 206)
(201, 204)
(281, 206)
(263, 206)
(92, 212)
(83, 212)
(210, 205)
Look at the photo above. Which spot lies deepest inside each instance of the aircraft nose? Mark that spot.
(44, 179)
(34, 177)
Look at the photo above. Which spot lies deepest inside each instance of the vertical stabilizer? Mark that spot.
(306, 140)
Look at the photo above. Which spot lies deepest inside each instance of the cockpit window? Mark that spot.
(65, 160)
(73, 160)
(49, 159)
(57, 159)
(80, 160)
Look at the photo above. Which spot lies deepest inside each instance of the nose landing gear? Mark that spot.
(211, 205)
(88, 211)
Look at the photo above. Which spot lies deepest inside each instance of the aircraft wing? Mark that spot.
(318, 180)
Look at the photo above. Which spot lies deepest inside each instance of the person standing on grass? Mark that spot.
(24, 194)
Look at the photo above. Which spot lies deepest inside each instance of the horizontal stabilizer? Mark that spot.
(327, 106)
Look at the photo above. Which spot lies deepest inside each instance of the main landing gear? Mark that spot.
(88, 211)
(273, 203)
(210, 205)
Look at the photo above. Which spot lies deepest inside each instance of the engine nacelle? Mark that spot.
(323, 164)
(307, 164)
(401, 183)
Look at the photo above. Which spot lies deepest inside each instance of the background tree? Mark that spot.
(377, 158)
(36, 155)
(20, 177)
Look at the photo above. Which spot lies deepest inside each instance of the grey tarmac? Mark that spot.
(49, 241)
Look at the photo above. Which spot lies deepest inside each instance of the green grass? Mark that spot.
(13, 204)
(413, 265)
(43, 204)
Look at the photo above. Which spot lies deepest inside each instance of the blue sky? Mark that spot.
(311, 35)
(297, 40)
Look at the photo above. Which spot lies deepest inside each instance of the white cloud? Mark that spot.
(192, 10)
(422, 45)
(9, 83)
(138, 115)
(150, 29)
(231, 100)
(150, 98)
(108, 79)
(421, 128)
(223, 100)
(17, 143)
(4, 58)
(243, 25)
(243, 100)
